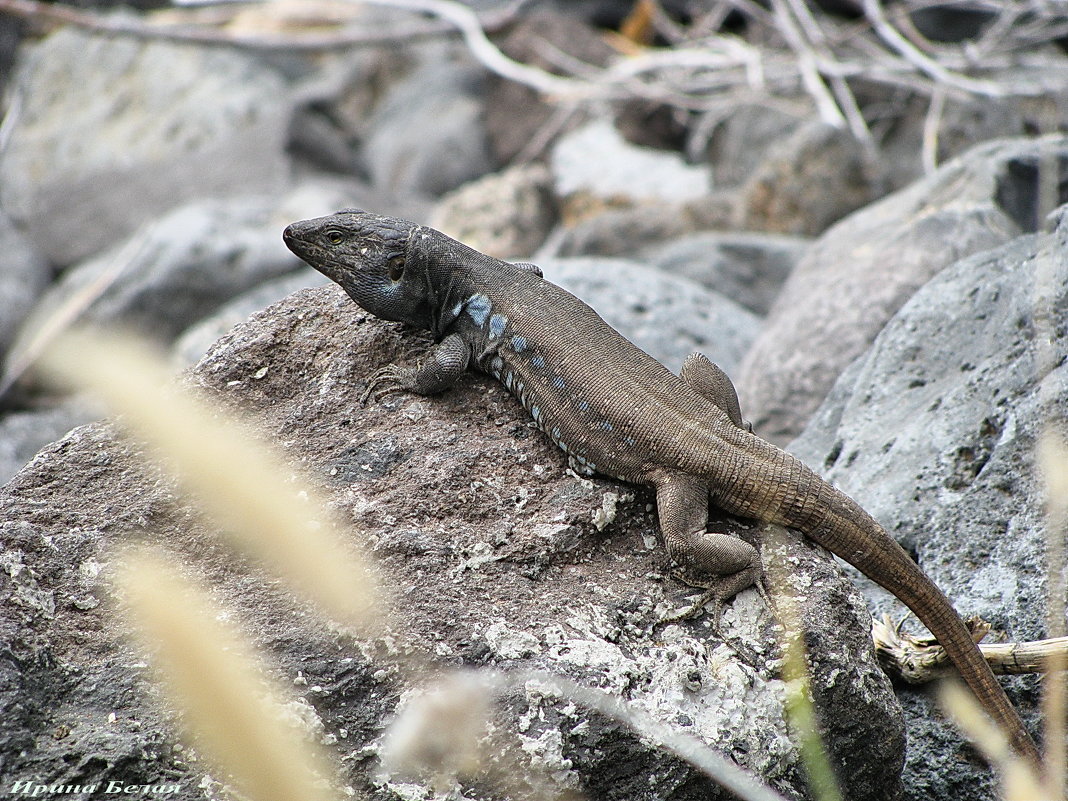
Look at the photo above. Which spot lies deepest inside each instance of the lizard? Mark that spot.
(614, 410)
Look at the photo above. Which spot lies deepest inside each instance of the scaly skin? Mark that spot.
(616, 411)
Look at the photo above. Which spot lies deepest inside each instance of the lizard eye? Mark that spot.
(396, 268)
(334, 236)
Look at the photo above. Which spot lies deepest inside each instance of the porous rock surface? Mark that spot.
(150, 125)
(863, 269)
(934, 430)
(494, 556)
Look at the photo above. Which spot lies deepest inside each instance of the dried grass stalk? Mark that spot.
(213, 676)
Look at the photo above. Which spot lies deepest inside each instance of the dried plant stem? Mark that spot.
(873, 9)
(932, 122)
(808, 63)
(55, 14)
(35, 341)
(919, 660)
(801, 51)
(488, 54)
(215, 679)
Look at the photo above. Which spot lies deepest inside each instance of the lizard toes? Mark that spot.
(385, 375)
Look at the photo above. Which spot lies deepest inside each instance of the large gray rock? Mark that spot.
(808, 180)
(427, 135)
(176, 270)
(741, 139)
(23, 277)
(854, 277)
(94, 153)
(666, 316)
(1034, 102)
(748, 268)
(518, 119)
(197, 340)
(934, 432)
(333, 102)
(603, 230)
(596, 161)
(506, 214)
(23, 433)
(497, 557)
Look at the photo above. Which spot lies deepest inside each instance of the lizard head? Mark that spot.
(368, 255)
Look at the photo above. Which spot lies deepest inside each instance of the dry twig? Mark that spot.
(54, 15)
(919, 660)
(788, 51)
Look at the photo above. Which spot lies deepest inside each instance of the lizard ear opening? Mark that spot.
(396, 268)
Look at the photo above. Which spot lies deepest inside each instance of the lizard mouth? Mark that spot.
(294, 241)
(301, 243)
(305, 247)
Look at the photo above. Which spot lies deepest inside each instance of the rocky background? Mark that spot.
(876, 258)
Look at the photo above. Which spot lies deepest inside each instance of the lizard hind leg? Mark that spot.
(722, 564)
(708, 380)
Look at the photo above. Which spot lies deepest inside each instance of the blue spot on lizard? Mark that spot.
(497, 324)
(478, 308)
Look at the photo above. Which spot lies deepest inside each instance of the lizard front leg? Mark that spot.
(720, 563)
(436, 372)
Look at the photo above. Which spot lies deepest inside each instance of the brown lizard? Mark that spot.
(615, 410)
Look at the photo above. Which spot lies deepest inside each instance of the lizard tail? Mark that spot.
(852, 534)
(778, 488)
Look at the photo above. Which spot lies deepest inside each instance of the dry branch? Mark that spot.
(784, 52)
(919, 660)
(54, 15)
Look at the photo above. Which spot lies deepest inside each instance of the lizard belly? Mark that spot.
(593, 439)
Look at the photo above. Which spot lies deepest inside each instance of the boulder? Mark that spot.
(176, 270)
(740, 141)
(1032, 105)
(595, 160)
(197, 340)
(854, 277)
(666, 316)
(95, 153)
(517, 117)
(624, 232)
(808, 180)
(494, 555)
(23, 433)
(934, 431)
(23, 278)
(507, 214)
(748, 268)
(333, 103)
(427, 135)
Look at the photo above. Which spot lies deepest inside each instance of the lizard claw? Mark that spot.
(696, 609)
(390, 374)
